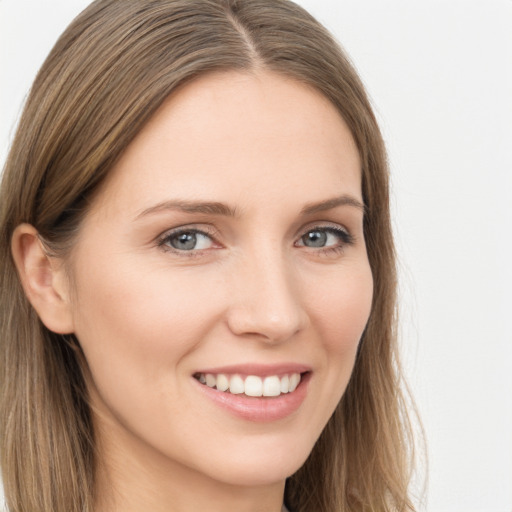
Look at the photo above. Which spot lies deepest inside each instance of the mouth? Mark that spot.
(252, 385)
(255, 392)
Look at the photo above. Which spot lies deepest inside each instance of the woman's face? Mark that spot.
(226, 251)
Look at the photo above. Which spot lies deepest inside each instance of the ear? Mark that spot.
(43, 278)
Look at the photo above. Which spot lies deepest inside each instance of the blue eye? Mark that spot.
(328, 237)
(188, 240)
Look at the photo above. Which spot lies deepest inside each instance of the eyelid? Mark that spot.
(204, 229)
(326, 226)
(346, 236)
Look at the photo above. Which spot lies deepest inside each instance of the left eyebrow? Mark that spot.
(208, 208)
(329, 204)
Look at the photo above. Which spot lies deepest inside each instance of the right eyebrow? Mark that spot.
(208, 208)
(329, 204)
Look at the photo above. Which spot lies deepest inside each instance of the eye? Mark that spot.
(187, 240)
(325, 238)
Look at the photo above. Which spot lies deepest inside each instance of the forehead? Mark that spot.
(243, 137)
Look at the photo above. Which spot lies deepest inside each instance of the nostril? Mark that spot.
(262, 321)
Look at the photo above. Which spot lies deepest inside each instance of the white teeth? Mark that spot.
(236, 385)
(222, 382)
(285, 384)
(294, 381)
(272, 386)
(252, 385)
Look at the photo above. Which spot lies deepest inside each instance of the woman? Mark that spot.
(198, 283)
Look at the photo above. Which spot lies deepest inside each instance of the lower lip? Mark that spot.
(259, 409)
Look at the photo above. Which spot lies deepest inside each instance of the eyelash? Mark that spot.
(164, 241)
(346, 239)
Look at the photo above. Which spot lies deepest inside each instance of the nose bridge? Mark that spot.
(267, 302)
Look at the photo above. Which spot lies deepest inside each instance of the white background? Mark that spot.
(440, 76)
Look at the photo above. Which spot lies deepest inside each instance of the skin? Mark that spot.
(148, 317)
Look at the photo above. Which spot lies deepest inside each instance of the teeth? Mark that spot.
(285, 384)
(236, 385)
(252, 385)
(222, 382)
(294, 381)
(271, 386)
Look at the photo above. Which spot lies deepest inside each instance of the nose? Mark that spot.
(266, 300)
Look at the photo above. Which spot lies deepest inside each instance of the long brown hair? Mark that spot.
(106, 76)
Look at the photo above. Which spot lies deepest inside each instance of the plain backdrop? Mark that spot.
(440, 76)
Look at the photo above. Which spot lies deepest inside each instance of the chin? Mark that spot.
(261, 467)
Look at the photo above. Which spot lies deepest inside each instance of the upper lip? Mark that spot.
(262, 370)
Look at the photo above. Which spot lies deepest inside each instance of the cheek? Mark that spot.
(135, 325)
(137, 328)
(340, 315)
(342, 308)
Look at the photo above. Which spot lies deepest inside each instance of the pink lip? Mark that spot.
(261, 370)
(257, 409)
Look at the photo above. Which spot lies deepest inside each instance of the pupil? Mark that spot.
(315, 239)
(185, 241)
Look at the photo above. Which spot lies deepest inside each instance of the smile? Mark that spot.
(251, 385)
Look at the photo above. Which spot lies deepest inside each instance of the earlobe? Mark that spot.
(43, 279)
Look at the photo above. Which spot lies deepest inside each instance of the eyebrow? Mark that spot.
(208, 208)
(329, 204)
(217, 208)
